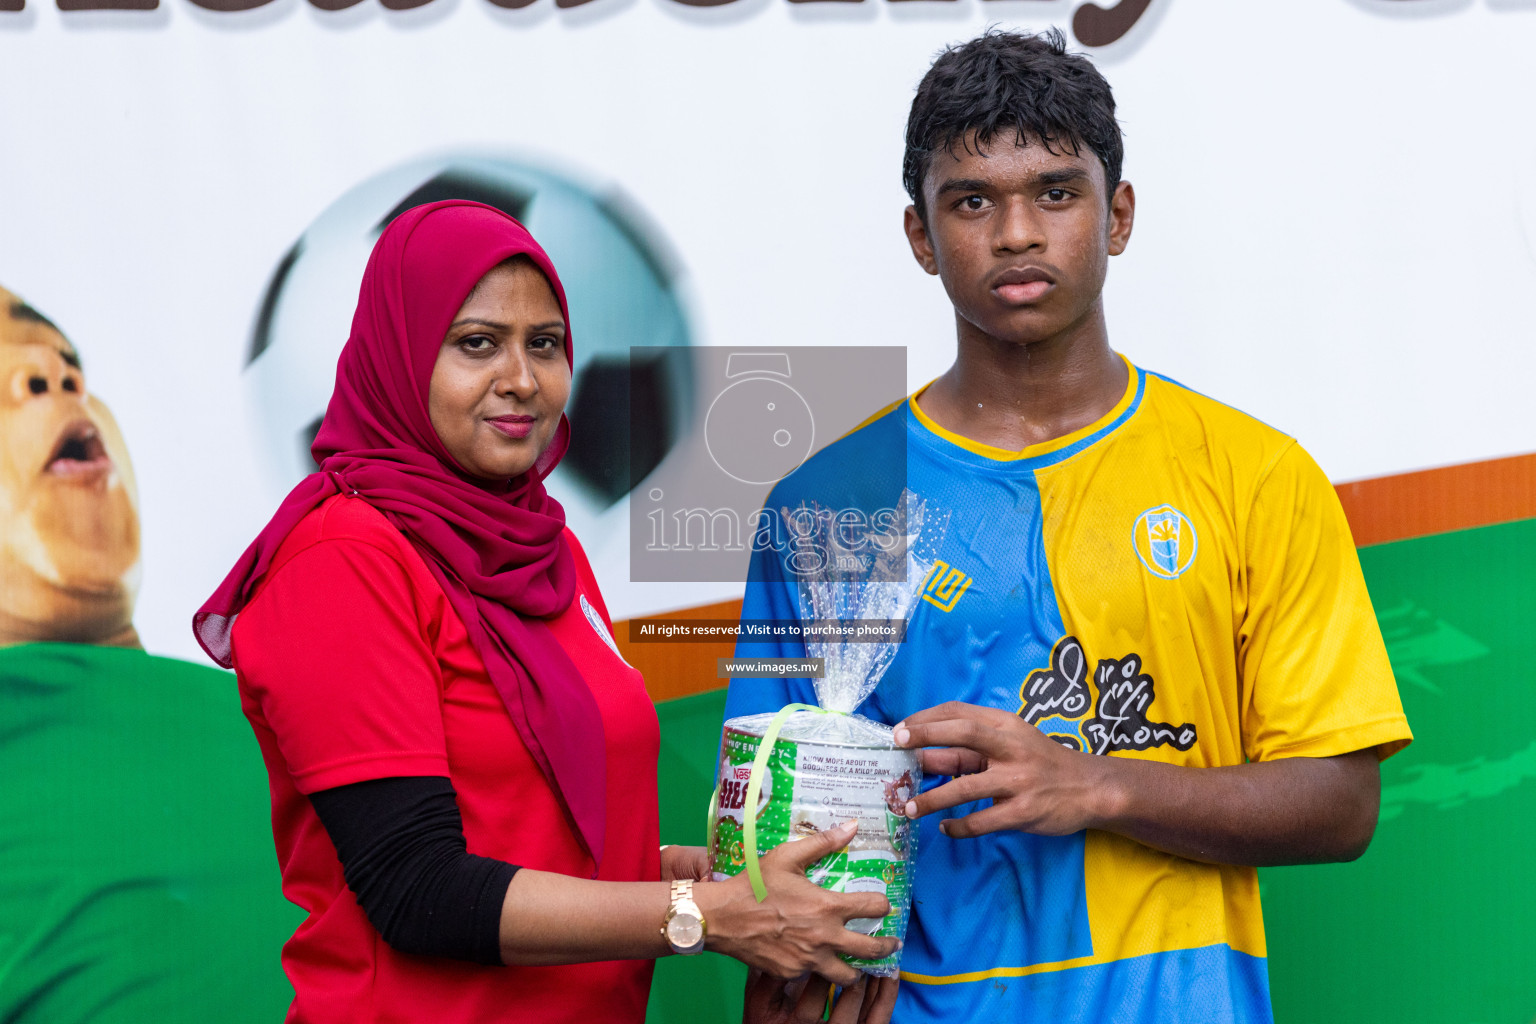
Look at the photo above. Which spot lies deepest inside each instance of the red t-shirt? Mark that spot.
(352, 666)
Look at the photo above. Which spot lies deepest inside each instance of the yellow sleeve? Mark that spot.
(1314, 672)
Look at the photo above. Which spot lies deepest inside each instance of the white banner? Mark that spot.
(1336, 230)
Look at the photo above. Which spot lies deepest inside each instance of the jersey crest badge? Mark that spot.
(1165, 541)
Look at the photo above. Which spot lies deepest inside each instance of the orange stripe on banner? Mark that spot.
(675, 670)
(1440, 500)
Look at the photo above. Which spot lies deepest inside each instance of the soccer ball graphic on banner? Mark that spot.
(621, 281)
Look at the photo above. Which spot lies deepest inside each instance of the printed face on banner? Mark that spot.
(69, 525)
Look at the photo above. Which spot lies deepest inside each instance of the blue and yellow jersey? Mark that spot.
(1174, 582)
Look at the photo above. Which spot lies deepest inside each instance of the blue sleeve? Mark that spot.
(768, 597)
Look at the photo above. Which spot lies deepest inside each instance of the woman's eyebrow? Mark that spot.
(548, 325)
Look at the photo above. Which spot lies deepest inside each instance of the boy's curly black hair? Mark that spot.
(1011, 82)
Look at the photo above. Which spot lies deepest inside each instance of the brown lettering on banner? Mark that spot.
(513, 5)
(705, 3)
(1095, 26)
(334, 5)
(12, 5)
(230, 6)
(106, 5)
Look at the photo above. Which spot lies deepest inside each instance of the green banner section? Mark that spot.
(137, 876)
(1436, 924)
(707, 987)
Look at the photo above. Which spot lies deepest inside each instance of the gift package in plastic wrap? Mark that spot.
(804, 769)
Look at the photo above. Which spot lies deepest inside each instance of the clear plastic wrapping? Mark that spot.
(830, 765)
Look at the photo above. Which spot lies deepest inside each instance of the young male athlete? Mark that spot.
(1146, 652)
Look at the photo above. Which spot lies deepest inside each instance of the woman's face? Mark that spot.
(501, 379)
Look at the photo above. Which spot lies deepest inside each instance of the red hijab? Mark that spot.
(499, 552)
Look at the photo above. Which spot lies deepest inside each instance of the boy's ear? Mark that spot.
(917, 238)
(1122, 213)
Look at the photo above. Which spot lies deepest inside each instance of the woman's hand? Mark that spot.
(799, 928)
(684, 862)
(772, 1001)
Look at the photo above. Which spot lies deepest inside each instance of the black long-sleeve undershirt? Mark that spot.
(402, 850)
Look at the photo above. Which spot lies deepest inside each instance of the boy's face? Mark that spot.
(69, 526)
(1020, 236)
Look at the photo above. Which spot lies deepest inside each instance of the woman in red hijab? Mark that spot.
(463, 768)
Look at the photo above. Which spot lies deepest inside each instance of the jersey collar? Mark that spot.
(1045, 453)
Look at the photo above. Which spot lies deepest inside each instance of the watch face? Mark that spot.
(684, 930)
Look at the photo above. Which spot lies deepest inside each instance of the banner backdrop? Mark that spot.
(1333, 233)
(1336, 232)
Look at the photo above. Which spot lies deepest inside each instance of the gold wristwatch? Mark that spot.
(683, 927)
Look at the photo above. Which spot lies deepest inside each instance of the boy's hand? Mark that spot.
(772, 1001)
(685, 862)
(1295, 810)
(1036, 784)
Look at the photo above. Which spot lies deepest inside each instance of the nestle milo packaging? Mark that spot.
(813, 784)
(827, 765)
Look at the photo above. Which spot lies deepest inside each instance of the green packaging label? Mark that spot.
(810, 787)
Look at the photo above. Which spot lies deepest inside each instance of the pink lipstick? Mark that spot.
(515, 427)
